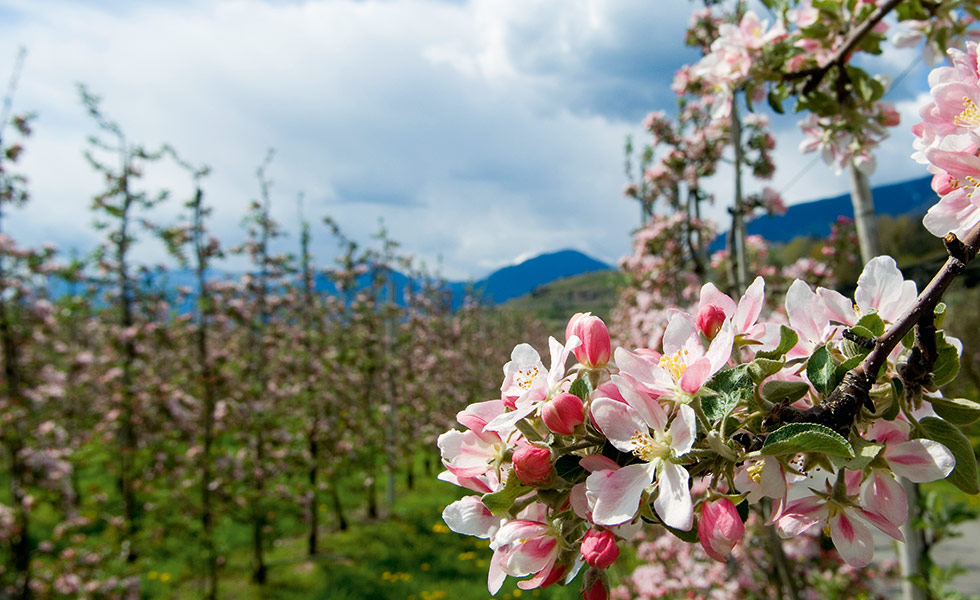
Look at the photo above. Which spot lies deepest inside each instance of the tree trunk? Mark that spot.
(912, 551)
(864, 214)
(739, 257)
(338, 508)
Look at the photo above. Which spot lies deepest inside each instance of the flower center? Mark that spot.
(648, 448)
(970, 117)
(754, 471)
(675, 364)
(525, 377)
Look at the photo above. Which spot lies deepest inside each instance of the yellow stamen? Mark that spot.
(525, 377)
(754, 471)
(970, 117)
(648, 448)
(675, 364)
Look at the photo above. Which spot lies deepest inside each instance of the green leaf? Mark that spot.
(761, 368)
(581, 388)
(732, 386)
(964, 475)
(784, 391)
(787, 339)
(690, 536)
(865, 452)
(870, 325)
(958, 411)
(499, 502)
(821, 370)
(775, 102)
(806, 437)
(947, 361)
(568, 468)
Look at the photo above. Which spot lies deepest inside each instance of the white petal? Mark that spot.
(673, 504)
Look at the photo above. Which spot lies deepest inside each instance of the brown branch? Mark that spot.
(815, 75)
(841, 407)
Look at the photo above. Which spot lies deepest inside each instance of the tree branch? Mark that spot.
(815, 75)
(841, 407)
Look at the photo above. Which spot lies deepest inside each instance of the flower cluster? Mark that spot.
(727, 411)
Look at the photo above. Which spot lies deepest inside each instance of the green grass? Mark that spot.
(410, 555)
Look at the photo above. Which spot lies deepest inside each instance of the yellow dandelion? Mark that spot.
(165, 577)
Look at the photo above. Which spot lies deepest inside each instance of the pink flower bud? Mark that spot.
(720, 528)
(710, 319)
(599, 548)
(532, 465)
(596, 347)
(563, 413)
(595, 586)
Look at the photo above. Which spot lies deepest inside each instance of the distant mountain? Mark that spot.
(499, 287)
(517, 280)
(815, 218)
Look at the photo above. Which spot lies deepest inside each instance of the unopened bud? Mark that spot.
(596, 347)
(710, 319)
(599, 548)
(563, 413)
(719, 528)
(532, 465)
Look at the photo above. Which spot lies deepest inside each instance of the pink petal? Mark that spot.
(695, 375)
(750, 306)
(920, 460)
(885, 496)
(618, 422)
(619, 497)
(852, 540)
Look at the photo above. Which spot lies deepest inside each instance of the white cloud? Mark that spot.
(480, 130)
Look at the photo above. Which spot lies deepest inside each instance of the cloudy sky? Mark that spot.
(483, 131)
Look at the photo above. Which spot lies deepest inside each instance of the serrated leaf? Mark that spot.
(784, 391)
(787, 339)
(499, 502)
(761, 368)
(821, 370)
(806, 437)
(732, 386)
(965, 474)
(947, 361)
(958, 411)
(581, 388)
(568, 467)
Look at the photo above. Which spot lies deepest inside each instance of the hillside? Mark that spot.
(555, 302)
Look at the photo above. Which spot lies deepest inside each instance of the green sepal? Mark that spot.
(964, 474)
(499, 502)
(806, 437)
